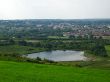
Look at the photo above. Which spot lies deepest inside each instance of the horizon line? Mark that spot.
(60, 19)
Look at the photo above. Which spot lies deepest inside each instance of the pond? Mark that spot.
(60, 55)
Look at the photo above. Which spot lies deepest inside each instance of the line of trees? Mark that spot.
(96, 47)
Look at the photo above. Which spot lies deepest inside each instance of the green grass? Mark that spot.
(108, 49)
(57, 37)
(28, 72)
(33, 41)
(106, 37)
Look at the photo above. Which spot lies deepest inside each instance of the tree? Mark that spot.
(11, 41)
(22, 43)
(99, 50)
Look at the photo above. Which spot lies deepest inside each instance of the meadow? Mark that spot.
(108, 49)
(30, 72)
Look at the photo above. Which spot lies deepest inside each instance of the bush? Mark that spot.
(48, 61)
(38, 59)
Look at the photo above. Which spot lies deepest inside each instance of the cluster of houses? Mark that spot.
(84, 30)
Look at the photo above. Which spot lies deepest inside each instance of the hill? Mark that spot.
(29, 72)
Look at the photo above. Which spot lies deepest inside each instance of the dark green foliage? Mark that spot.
(15, 48)
(38, 58)
(48, 61)
(22, 43)
(100, 50)
(12, 42)
(7, 42)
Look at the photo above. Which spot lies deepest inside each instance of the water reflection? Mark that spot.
(59, 55)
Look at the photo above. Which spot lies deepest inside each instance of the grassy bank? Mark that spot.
(28, 72)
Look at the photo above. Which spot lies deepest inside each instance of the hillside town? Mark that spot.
(64, 28)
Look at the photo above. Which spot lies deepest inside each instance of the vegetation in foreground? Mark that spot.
(96, 70)
(28, 72)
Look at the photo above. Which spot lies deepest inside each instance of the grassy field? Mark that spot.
(108, 49)
(57, 37)
(28, 72)
(106, 37)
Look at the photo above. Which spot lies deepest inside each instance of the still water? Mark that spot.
(59, 55)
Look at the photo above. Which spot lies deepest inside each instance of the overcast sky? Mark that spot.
(54, 9)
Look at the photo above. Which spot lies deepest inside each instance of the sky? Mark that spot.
(54, 9)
